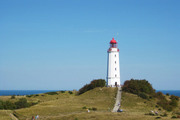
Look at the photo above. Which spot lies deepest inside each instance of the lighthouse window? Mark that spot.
(115, 75)
(115, 62)
(115, 68)
(115, 55)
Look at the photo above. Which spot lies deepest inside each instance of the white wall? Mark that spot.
(113, 72)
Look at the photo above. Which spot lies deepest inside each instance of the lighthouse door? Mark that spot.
(116, 84)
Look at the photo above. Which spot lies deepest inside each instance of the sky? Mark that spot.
(62, 44)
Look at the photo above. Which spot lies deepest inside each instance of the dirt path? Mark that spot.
(118, 100)
(13, 117)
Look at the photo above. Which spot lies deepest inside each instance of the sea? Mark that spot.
(170, 92)
(23, 92)
(31, 92)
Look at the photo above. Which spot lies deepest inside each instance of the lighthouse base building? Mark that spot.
(113, 69)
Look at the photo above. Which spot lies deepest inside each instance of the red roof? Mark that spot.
(113, 41)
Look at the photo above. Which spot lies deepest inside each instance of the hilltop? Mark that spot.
(68, 106)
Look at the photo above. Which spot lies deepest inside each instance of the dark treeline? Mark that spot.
(144, 89)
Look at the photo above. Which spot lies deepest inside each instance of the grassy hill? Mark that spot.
(66, 106)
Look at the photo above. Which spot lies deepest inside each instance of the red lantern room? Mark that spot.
(113, 43)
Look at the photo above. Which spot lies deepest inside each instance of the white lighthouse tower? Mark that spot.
(113, 70)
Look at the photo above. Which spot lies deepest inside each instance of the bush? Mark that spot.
(13, 97)
(173, 97)
(173, 117)
(63, 91)
(52, 93)
(158, 117)
(94, 109)
(143, 95)
(9, 105)
(1, 104)
(138, 86)
(174, 103)
(22, 103)
(177, 112)
(164, 115)
(84, 107)
(29, 95)
(70, 92)
(159, 95)
(92, 85)
(152, 114)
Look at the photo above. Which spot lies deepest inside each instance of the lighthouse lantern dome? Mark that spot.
(113, 43)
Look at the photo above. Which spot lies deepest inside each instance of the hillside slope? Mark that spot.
(65, 106)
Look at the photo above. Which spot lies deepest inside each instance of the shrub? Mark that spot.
(52, 93)
(143, 95)
(174, 103)
(152, 114)
(29, 95)
(84, 107)
(13, 97)
(92, 85)
(22, 103)
(173, 97)
(138, 86)
(165, 115)
(70, 92)
(94, 109)
(177, 112)
(63, 91)
(9, 105)
(173, 117)
(167, 94)
(1, 104)
(158, 117)
(156, 106)
(159, 95)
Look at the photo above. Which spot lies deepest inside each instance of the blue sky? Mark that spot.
(62, 44)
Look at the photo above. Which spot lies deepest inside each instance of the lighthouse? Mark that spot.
(113, 69)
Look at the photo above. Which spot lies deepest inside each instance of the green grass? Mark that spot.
(5, 114)
(65, 106)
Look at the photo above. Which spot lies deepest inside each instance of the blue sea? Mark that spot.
(171, 92)
(30, 92)
(23, 92)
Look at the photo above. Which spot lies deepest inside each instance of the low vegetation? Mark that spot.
(144, 89)
(51, 93)
(92, 85)
(21, 103)
(66, 105)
